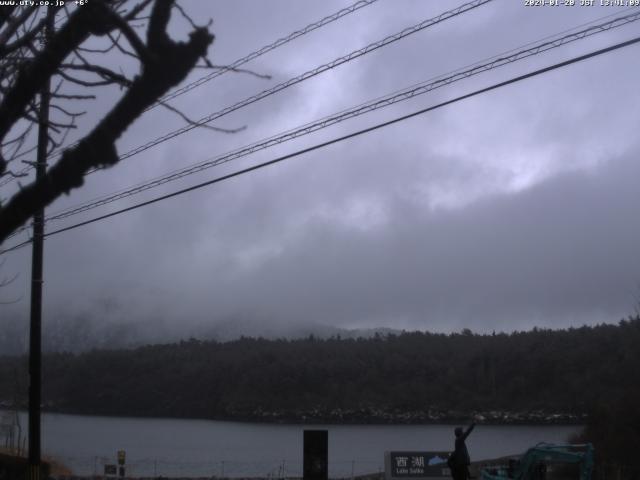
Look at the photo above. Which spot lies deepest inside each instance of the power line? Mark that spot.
(353, 112)
(342, 138)
(346, 58)
(267, 48)
(307, 75)
(401, 95)
(236, 63)
(293, 81)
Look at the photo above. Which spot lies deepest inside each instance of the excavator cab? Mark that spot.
(546, 461)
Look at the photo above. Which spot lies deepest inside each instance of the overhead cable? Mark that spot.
(300, 78)
(342, 138)
(237, 63)
(505, 58)
(353, 112)
(267, 48)
(307, 75)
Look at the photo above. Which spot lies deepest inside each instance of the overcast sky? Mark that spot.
(514, 209)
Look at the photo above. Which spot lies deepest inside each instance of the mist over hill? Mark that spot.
(81, 333)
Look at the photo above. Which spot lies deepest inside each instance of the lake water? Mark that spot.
(171, 447)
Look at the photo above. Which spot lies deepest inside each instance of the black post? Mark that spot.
(315, 455)
(35, 331)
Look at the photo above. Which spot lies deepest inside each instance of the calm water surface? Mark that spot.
(172, 447)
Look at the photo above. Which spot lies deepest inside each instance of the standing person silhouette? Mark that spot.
(459, 460)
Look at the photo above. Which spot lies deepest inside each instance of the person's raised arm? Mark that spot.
(468, 431)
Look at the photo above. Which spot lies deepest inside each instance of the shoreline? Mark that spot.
(359, 417)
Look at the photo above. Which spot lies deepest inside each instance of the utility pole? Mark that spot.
(35, 330)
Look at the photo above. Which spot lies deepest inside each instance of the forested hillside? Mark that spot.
(414, 376)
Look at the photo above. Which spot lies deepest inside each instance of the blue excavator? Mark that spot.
(546, 461)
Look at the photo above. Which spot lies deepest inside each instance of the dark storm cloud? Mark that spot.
(558, 254)
(506, 211)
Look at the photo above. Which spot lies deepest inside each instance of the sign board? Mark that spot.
(416, 465)
(121, 457)
(110, 470)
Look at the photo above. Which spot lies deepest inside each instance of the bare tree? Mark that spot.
(4, 281)
(10, 422)
(68, 58)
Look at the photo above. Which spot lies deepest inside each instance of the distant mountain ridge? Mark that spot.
(536, 376)
(80, 334)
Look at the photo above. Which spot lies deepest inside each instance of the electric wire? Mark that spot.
(304, 76)
(400, 95)
(267, 48)
(236, 63)
(307, 75)
(353, 112)
(342, 138)
(209, 162)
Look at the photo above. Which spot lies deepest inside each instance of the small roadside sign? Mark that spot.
(110, 470)
(416, 465)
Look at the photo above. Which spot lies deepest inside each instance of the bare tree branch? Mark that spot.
(101, 71)
(199, 124)
(136, 10)
(14, 23)
(185, 16)
(209, 65)
(7, 281)
(116, 44)
(31, 78)
(165, 63)
(27, 38)
(73, 97)
(133, 39)
(92, 83)
(67, 112)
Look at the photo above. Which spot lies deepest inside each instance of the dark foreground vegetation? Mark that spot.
(536, 376)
